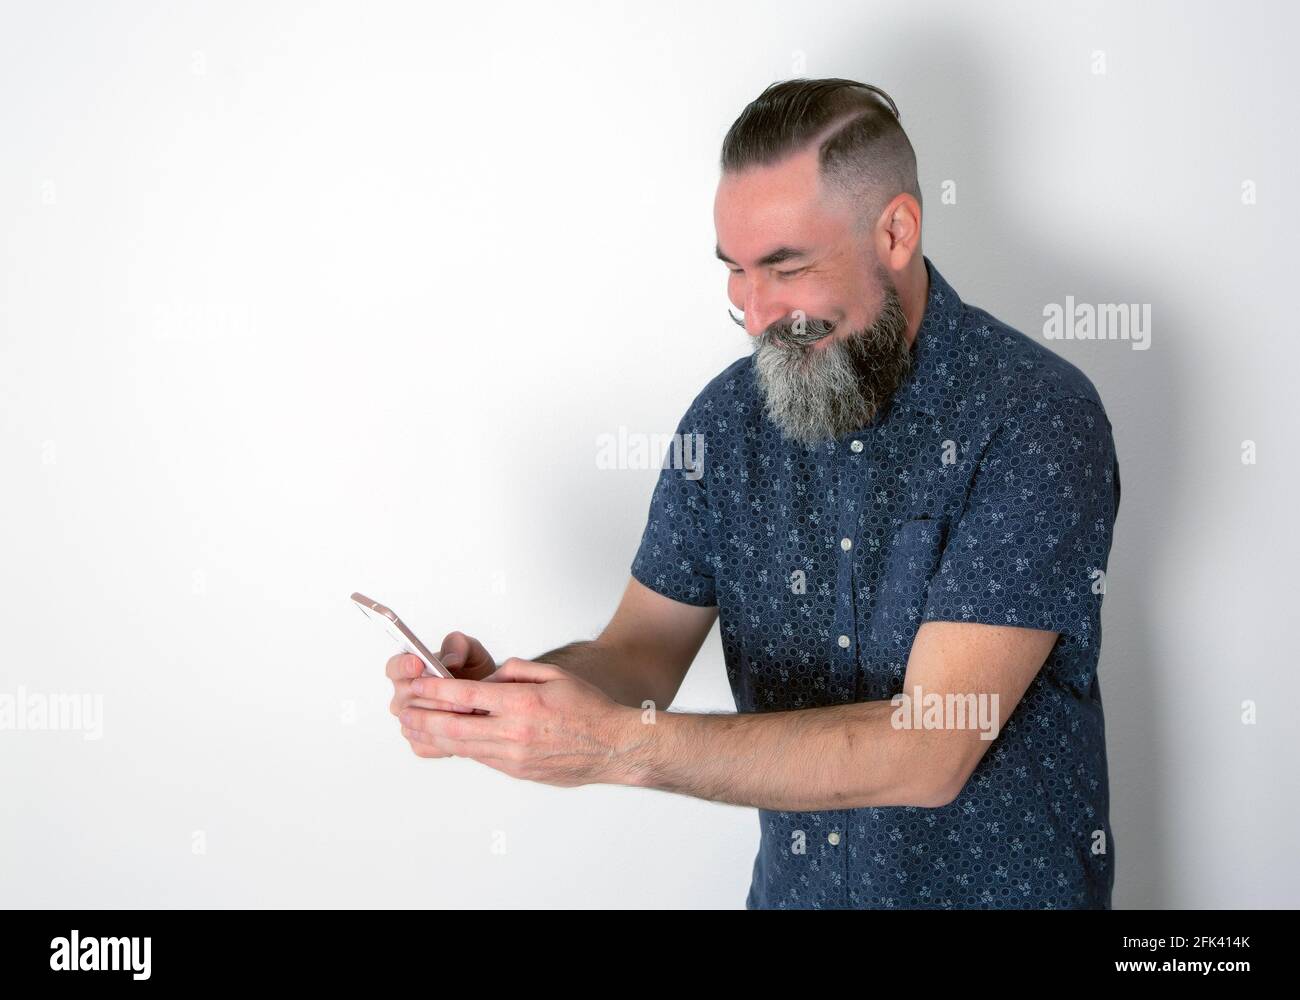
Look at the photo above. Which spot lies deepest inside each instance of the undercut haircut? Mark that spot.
(864, 155)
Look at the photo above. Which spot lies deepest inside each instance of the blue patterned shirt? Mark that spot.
(985, 492)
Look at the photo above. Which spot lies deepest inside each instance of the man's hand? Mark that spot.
(543, 724)
(463, 655)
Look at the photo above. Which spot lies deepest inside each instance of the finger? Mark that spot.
(454, 727)
(463, 652)
(434, 705)
(470, 694)
(421, 748)
(403, 666)
(403, 695)
(515, 669)
(435, 745)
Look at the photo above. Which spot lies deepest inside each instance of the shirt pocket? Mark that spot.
(909, 565)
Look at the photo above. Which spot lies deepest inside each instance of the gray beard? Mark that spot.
(816, 397)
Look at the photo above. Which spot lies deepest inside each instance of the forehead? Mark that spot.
(762, 207)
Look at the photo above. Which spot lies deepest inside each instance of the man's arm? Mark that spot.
(844, 756)
(644, 652)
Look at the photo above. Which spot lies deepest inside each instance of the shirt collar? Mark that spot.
(931, 374)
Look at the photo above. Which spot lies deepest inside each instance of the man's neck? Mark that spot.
(914, 296)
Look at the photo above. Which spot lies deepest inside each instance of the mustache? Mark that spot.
(788, 333)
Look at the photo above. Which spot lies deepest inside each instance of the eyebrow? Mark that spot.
(777, 256)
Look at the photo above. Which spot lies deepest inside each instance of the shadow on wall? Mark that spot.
(946, 109)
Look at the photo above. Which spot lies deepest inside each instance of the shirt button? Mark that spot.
(844, 642)
(833, 837)
(846, 544)
(856, 446)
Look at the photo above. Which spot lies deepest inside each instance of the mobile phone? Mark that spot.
(404, 637)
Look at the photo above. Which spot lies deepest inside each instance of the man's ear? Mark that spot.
(900, 231)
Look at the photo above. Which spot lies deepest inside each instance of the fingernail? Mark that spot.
(417, 686)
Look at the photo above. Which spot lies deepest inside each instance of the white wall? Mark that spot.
(299, 300)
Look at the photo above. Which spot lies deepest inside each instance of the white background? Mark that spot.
(297, 300)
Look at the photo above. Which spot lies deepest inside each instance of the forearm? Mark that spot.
(610, 668)
(837, 757)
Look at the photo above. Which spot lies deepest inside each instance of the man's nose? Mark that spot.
(761, 312)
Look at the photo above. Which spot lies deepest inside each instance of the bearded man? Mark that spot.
(902, 528)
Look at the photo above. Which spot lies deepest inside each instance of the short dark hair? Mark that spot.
(864, 152)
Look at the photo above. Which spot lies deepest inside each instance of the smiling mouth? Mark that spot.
(803, 340)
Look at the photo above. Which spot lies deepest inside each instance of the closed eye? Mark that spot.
(780, 274)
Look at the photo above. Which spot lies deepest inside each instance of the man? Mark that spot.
(903, 525)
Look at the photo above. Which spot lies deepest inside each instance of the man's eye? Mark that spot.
(779, 274)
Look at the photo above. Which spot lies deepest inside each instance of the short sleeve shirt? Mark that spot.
(986, 491)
